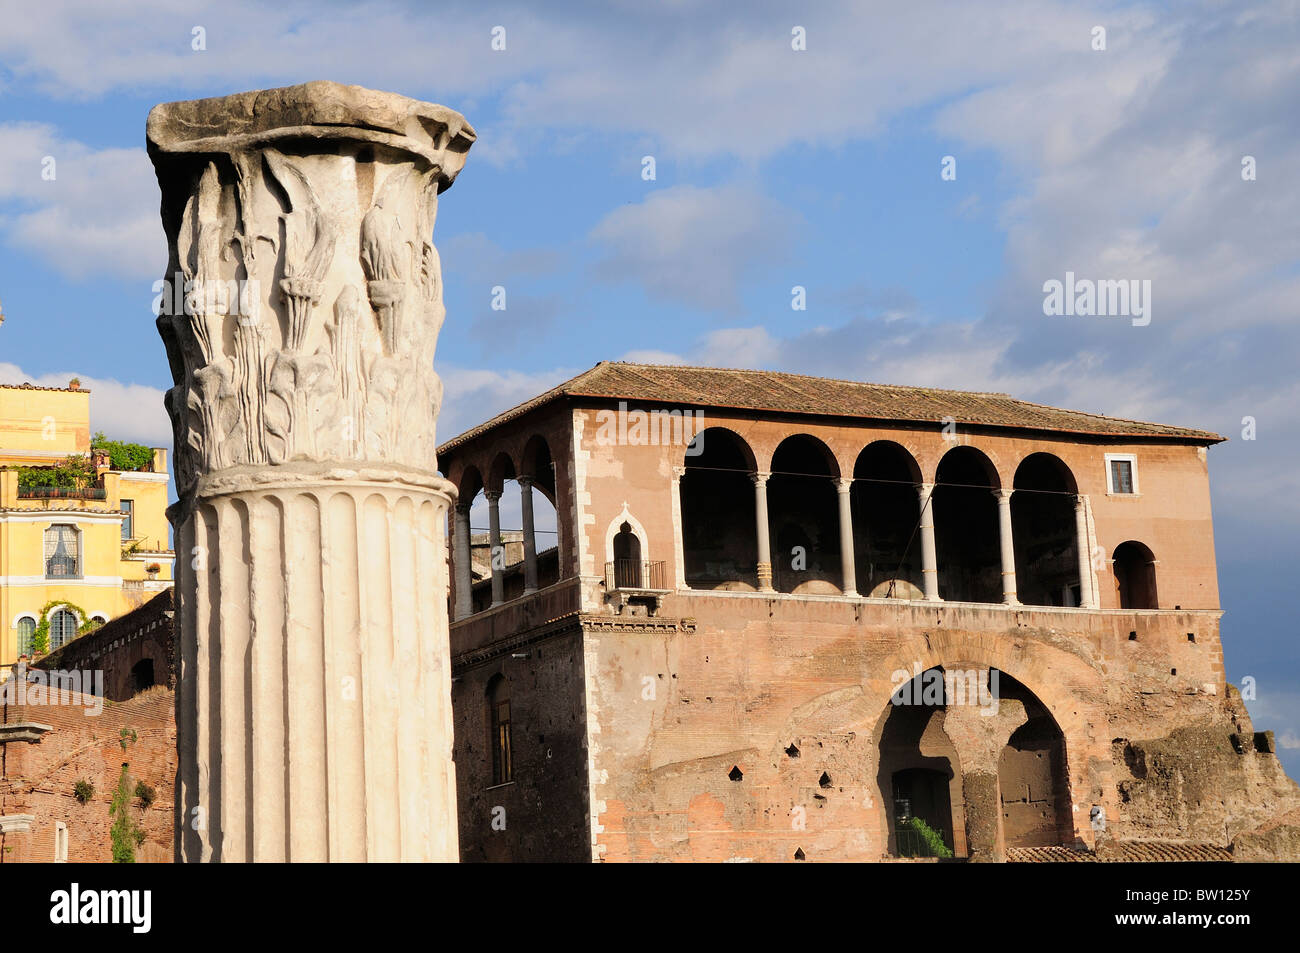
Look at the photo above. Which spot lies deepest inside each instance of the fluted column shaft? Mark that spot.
(849, 586)
(1007, 546)
(530, 534)
(315, 697)
(929, 564)
(764, 545)
(463, 561)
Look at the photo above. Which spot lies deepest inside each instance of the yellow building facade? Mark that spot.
(70, 557)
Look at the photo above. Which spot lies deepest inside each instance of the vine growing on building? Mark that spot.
(41, 637)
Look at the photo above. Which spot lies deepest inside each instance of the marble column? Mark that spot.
(530, 534)
(849, 586)
(1086, 597)
(1007, 545)
(679, 548)
(496, 554)
(463, 561)
(764, 546)
(301, 310)
(929, 565)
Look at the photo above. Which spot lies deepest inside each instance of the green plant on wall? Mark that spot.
(145, 793)
(933, 840)
(41, 636)
(83, 790)
(124, 832)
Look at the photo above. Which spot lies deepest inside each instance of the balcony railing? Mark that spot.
(635, 574)
(62, 493)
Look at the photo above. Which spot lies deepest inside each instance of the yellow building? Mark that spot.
(71, 556)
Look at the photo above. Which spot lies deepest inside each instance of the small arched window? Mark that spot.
(63, 628)
(62, 552)
(26, 629)
(1135, 576)
(499, 741)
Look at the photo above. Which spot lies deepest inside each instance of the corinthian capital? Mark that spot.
(304, 293)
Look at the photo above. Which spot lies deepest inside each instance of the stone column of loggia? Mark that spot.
(929, 563)
(530, 534)
(462, 560)
(1086, 597)
(679, 549)
(313, 701)
(844, 487)
(1007, 545)
(496, 554)
(764, 545)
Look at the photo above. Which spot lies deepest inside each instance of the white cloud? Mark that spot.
(694, 246)
(97, 215)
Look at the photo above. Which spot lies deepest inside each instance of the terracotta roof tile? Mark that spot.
(776, 391)
(1160, 852)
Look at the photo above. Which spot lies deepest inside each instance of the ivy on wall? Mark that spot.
(41, 637)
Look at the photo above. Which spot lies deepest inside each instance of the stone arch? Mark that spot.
(25, 615)
(719, 531)
(1134, 567)
(1039, 669)
(803, 516)
(470, 483)
(918, 771)
(886, 518)
(1043, 530)
(536, 462)
(967, 542)
(501, 470)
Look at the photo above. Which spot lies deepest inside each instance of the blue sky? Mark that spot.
(774, 168)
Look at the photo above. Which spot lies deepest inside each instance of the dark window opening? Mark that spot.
(498, 700)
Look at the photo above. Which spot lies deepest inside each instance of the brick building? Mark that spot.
(759, 578)
(57, 734)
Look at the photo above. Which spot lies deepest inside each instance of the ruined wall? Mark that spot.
(540, 814)
(759, 676)
(38, 778)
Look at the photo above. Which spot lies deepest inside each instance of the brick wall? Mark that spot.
(38, 778)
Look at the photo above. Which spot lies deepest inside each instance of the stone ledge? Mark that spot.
(28, 731)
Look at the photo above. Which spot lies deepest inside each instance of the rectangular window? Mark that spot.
(502, 766)
(62, 552)
(1121, 474)
(128, 524)
(60, 842)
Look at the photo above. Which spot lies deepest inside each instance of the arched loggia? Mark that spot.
(719, 534)
(886, 518)
(966, 527)
(1044, 530)
(803, 513)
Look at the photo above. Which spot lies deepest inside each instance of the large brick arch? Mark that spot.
(1069, 687)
